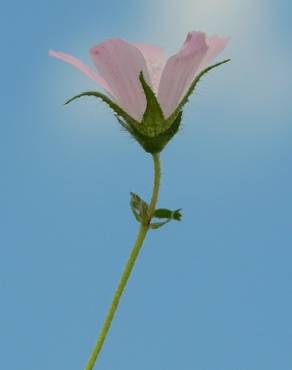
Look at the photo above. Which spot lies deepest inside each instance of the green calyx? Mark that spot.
(154, 131)
(153, 144)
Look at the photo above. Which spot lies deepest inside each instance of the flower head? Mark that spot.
(146, 89)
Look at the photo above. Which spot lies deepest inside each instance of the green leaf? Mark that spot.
(191, 90)
(139, 208)
(118, 110)
(157, 225)
(153, 122)
(167, 213)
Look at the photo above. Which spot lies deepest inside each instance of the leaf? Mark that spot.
(118, 110)
(191, 90)
(153, 122)
(157, 225)
(167, 213)
(139, 207)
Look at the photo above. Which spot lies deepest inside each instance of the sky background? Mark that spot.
(213, 292)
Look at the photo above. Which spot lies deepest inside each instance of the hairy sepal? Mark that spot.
(153, 122)
(190, 91)
(117, 109)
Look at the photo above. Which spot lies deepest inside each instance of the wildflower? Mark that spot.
(147, 90)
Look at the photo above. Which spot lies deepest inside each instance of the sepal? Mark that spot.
(153, 122)
(191, 89)
(119, 112)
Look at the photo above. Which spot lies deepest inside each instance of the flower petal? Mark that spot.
(215, 45)
(83, 68)
(180, 70)
(155, 58)
(120, 64)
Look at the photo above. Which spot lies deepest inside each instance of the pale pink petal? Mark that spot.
(83, 68)
(120, 64)
(180, 70)
(155, 60)
(215, 45)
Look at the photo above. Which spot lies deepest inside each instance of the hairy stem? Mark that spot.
(144, 227)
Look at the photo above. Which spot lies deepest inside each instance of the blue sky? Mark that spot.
(213, 292)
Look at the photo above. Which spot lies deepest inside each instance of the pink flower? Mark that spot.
(120, 63)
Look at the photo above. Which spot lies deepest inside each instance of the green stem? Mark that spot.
(128, 268)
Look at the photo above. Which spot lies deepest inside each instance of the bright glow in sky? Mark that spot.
(214, 16)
